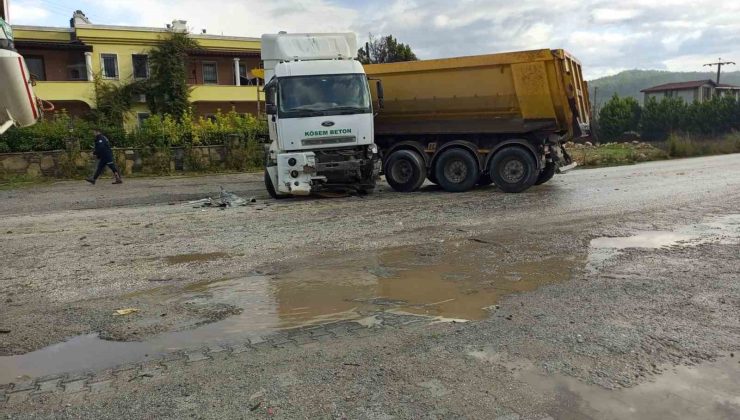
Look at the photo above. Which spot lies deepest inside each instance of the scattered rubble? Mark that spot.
(225, 199)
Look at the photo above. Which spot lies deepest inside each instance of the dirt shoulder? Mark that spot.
(613, 319)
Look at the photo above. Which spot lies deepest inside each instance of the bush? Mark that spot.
(686, 146)
(618, 116)
(164, 131)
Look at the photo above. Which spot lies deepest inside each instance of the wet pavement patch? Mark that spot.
(195, 257)
(706, 391)
(656, 239)
(720, 230)
(455, 281)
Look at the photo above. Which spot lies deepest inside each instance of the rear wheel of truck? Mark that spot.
(513, 169)
(404, 170)
(456, 170)
(546, 173)
(271, 188)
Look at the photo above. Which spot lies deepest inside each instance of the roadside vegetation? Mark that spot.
(614, 154)
(657, 121)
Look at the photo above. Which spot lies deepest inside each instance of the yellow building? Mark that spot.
(64, 62)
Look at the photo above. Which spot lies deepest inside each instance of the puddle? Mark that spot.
(709, 390)
(457, 282)
(196, 257)
(653, 240)
(720, 230)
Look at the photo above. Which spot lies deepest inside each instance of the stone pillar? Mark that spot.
(237, 78)
(88, 64)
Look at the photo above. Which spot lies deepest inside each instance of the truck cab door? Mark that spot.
(271, 108)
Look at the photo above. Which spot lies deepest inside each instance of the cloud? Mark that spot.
(28, 11)
(606, 35)
(608, 15)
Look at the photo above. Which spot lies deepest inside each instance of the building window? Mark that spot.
(109, 64)
(210, 73)
(707, 93)
(36, 67)
(141, 117)
(141, 66)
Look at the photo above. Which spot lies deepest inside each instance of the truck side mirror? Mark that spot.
(271, 109)
(379, 86)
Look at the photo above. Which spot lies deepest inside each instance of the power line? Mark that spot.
(719, 65)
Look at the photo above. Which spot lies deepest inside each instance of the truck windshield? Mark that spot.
(312, 96)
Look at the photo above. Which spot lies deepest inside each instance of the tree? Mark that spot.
(168, 91)
(660, 119)
(386, 49)
(618, 116)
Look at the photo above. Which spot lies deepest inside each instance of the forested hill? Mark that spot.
(631, 82)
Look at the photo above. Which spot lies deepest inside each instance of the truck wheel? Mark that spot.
(513, 169)
(404, 170)
(456, 170)
(546, 173)
(271, 188)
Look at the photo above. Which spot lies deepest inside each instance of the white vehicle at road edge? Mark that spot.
(320, 115)
(18, 104)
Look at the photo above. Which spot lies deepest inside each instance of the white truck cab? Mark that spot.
(319, 114)
(18, 104)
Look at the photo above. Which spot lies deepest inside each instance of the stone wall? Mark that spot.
(72, 163)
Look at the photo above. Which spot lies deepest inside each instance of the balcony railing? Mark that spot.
(85, 91)
(66, 91)
(223, 93)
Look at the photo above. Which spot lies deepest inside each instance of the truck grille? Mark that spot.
(328, 140)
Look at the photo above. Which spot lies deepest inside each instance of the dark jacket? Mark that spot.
(102, 148)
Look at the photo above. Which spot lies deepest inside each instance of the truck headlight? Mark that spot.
(372, 150)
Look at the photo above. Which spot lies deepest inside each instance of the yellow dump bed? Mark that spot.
(507, 93)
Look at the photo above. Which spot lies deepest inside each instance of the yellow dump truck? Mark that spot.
(498, 118)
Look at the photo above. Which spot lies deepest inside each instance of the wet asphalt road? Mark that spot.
(668, 306)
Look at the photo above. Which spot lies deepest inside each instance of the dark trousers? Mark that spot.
(101, 167)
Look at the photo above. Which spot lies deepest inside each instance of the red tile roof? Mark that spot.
(679, 86)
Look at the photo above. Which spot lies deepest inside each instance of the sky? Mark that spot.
(606, 36)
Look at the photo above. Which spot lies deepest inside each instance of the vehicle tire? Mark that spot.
(432, 178)
(271, 188)
(456, 170)
(513, 169)
(405, 170)
(546, 173)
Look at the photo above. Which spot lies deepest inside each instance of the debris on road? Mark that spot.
(125, 311)
(226, 199)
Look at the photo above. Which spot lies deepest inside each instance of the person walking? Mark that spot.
(104, 153)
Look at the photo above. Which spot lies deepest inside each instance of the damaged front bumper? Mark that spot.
(302, 173)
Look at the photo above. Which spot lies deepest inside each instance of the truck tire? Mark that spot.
(456, 170)
(271, 188)
(546, 173)
(513, 169)
(405, 170)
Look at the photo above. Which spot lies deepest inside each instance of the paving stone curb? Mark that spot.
(80, 384)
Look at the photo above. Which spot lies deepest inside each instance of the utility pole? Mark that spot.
(719, 65)
(4, 15)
